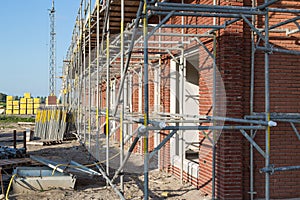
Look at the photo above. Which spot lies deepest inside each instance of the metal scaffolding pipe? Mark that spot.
(267, 105)
(106, 26)
(252, 142)
(146, 101)
(271, 169)
(252, 81)
(199, 14)
(211, 10)
(150, 128)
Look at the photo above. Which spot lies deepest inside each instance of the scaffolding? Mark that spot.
(116, 44)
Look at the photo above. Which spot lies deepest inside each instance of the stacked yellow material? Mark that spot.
(29, 111)
(16, 107)
(16, 111)
(27, 95)
(36, 105)
(30, 106)
(23, 106)
(36, 100)
(9, 105)
(23, 111)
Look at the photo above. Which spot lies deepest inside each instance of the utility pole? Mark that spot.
(52, 56)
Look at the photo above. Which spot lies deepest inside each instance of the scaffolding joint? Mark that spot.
(270, 169)
(142, 130)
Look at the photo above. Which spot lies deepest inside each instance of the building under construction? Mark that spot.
(209, 88)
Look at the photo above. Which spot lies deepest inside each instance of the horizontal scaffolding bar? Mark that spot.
(271, 169)
(208, 128)
(199, 15)
(278, 50)
(191, 26)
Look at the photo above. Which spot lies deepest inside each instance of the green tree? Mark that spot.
(2, 97)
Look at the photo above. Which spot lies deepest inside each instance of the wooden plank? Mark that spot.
(5, 163)
(45, 142)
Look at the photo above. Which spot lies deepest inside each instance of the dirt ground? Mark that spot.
(161, 185)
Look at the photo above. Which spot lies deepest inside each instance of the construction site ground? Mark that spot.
(161, 184)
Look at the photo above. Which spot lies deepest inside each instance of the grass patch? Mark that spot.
(5, 118)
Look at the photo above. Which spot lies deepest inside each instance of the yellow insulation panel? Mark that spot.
(29, 111)
(23, 100)
(29, 100)
(23, 112)
(37, 100)
(27, 95)
(29, 106)
(16, 112)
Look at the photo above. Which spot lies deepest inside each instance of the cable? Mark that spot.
(7, 191)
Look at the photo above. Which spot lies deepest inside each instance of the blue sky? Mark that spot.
(24, 43)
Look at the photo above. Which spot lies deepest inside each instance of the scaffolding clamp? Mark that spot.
(270, 169)
(142, 130)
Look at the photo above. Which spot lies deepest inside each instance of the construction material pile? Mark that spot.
(52, 123)
(23, 106)
(7, 152)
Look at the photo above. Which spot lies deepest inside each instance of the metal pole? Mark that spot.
(15, 139)
(146, 96)
(24, 141)
(90, 61)
(213, 187)
(79, 64)
(252, 103)
(267, 104)
(182, 100)
(107, 90)
(84, 78)
(123, 96)
(214, 114)
(97, 84)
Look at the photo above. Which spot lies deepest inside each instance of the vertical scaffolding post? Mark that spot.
(97, 84)
(214, 114)
(181, 108)
(146, 96)
(79, 54)
(107, 90)
(79, 74)
(181, 111)
(90, 62)
(123, 96)
(252, 103)
(84, 82)
(267, 104)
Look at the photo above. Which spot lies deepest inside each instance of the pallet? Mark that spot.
(44, 142)
(9, 163)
